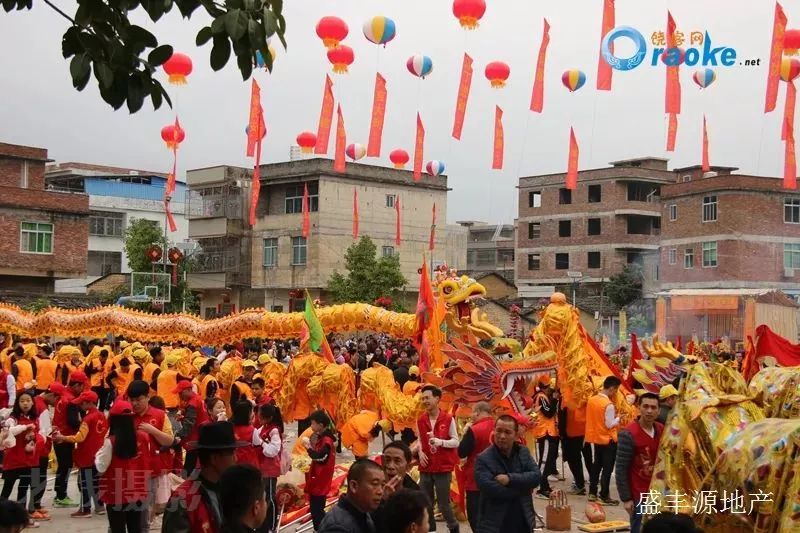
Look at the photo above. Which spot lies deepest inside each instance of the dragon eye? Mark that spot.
(448, 289)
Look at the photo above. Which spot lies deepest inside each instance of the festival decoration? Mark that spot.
(672, 131)
(379, 30)
(604, 69)
(419, 65)
(306, 141)
(339, 162)
(154, 253)
(399, 158)
(378, 116)
(791, 42)
(773, 74)
(173, 135)
(672, 95)
(435, 168)
(573, 79)
(178, 67)
(260, 63)
(499, 140)
(332, 30)
(174, 255)
(705, 76)
(419, 149)
(325, 118)
(341, 58)
(790, 68)
(789, 109)
(469, 12)
(497, 73)
(463, 96)
(537, 96)
(256, 131)
(355, 151)
(247, 131)
(572, 165)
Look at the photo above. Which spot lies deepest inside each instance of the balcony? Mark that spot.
(214, 202)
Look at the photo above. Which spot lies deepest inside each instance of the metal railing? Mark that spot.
(226, 205)
(210, 262)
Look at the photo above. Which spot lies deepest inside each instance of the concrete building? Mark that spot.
(490, 249)
(259, 266)
(117, 197)
(45, 233)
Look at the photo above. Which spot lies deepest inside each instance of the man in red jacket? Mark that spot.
(477, 437)
(66, 420)
(191, 414)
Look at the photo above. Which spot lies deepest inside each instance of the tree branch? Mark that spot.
(58, 10)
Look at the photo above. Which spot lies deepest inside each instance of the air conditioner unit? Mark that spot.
(133, 172)
(788, 272)
(687, 177)
(710, 174)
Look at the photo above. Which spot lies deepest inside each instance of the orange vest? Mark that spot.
(596, 431)
(544, 426)
(576, 422)
(356, 432)
(45, 373)
(24, 373)
(98, 377)
(244, 390)
(122, 381)
(410, 388)
(148, 371)
(165, 387)
(204, 386)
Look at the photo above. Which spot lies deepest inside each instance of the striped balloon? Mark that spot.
(356, 151)
(435, 168)
(790, 68)
(573, 79)
(420, 65)
(379, 30)
(704, 77)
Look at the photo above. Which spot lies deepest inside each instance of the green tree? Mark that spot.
(368, 277)
(102, 40)
(625, 287)
(139, 236)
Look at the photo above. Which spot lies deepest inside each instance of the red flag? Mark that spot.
(418, 149)
(463, 96)
(325, 118)
(426, 304)
(706, 165)
(672, 102)
(171, 177)
(537, 98)
(397, 221)
(341, 141)
(256, 118)
(789, 108)
(679, 344)
(789, 159)
(306, 214)
(672, 132)
(378, 115)
(255, 186)
(572, 164)
(604, 70)
(170, 219)
(355, 213)
(499, 140)
(636, 356)
(770, 344)
(432, 239)
(774, 74)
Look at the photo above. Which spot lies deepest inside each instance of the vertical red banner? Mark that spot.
(432, 239)
(341, 141)
(255, 106)
(170, 219)
(789, 108)
(355, 213)
(499, 139)
(175, 141)
(572, 165)
(255, 186)
(789, 161)
(604, 70)
(672, 102)
(706, 165)
(306, 213)
(255, 134)
(463, 96)
(672, 132)
(325, 118)
(419, 149)
(774, 74)
(537, 98)
(378, 116)
(397, 220)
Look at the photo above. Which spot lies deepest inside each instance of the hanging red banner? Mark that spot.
(706, 165)
(499, 140)
(255, 186)
(341, 141)
(572, 165)
(255, 107)
(672, 102)
(672, 132)
(306, 213)
(789, 160)
(355, 213)
(325, 118)
(463, 96)
(378, 115)
(171, 177)
(432, 239)
(255, 134)
(604, 70)
(418, 149)
(537, 98)
(170, 219)
(774, 74)
(397, 220)
(789, 108)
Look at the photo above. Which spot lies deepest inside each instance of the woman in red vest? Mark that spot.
(244, 431)
(271, 433)
(20, 460)
(124, 465)
(321, 448)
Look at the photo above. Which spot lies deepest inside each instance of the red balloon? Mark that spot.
(497, 72)
(172, 135)
(399, 157)
(469, 12)
(791, 42)
(332, 30)
(307, 141)
(177, 67)
(341, 57)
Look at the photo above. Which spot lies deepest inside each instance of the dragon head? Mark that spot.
(460, 294)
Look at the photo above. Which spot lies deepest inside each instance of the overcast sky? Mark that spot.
(40, 107)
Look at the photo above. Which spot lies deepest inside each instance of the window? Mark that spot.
(593, 259)
(387, 251)
(299, 250)
(562, 261)
(23, 176)
(277, 309)
(564, 196)
(106, 224)
(642, 192)
(103, 263)
(709, 209)
(534, 261)
(534, 230)
(36, 238)
(564, 228)
(595, 194)
(791, 256)
(673, 256)
(655, 272)
(535, 199)
(485, 258)
(505, 257)
(593, 226)
(270, 252)
(294, 198)
(688, 258)
(389, 200)
(791, 210)
(673, 212)
(709, 254)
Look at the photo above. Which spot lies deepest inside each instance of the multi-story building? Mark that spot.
(259, 266)
(490, 249)
(45, 233)
(117, 197)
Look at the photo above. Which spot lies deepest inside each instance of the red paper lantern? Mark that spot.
(332, 30)
(341, 57)
(307, 141)
(154, 253)
(178, 67)
(469, 12)
(399, 157)
(497, 73)
(173, 135)
(174, 255)
(791, 42)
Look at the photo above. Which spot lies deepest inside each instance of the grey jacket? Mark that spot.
(345, 518)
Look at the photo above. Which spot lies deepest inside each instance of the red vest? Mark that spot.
(127, 480)
(154, 417)
(201, 518)
(17, 457)
(85, 451)
(443, 459)
(249, 455)
(270, 466)
(47, 444)
(320, 475)
(482, 431)
(3, 389)
(645, 450)
(60, 414)
(202, 418)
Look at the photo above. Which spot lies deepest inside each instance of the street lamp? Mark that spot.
(576, 278)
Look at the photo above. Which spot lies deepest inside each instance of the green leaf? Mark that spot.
(70, 43)
(159, 55)
(236, 23)
(116, 95)
(187, 7)
(203, 36)
(8, 5)
(155, 96)
(277, 6)
(233, 4)
(80, 70)
(164, 93)
(104, 74)
(83, 15)
(270, 22)
(281, 24)
(218, 26)
(249, 5)
(256, 34)
(136, 93)
(154, 8)
(140, 35)
(221, 52)
(245, 62)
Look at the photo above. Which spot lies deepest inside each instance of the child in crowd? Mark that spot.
(244, 431)
(321, 448)
(217, 411)
(20, 459)
(271, 433)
